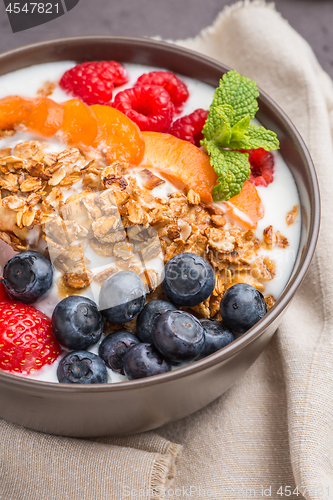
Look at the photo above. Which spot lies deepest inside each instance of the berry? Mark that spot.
(262, 166)
(149, 106)
(189, 127)
(143, 360)
(242, 306)
(26, 339)
(179, 336)
(176, 89)
(27, 276)
(77, 323)
(122, 297)
(93, 82)
(147, 317)
(82, 367)
(217, 336)
(114, 347)
(189, 279)
(4, 297)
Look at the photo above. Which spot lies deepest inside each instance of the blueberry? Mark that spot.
(77, 323)
(27, 276)
(82, 367)
(189, 279)
(122, 297)
(179, 336)
(143, 360)
(147, 317)
(242, 306)
(114, 347)
(217, 335)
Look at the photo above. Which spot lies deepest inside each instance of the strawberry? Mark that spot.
(26, 339)
(4, 297)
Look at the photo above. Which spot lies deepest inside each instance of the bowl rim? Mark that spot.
(288, 292)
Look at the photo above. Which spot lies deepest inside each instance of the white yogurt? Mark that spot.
(278, 198)
(27, 81)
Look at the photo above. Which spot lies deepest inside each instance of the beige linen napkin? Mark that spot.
(275, 427)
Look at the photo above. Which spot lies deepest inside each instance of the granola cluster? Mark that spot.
(76, 202)
(28, 177)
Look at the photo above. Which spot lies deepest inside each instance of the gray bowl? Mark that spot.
(136, 406)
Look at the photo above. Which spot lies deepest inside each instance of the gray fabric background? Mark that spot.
(171, 19)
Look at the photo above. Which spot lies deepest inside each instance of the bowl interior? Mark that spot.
(191, 64)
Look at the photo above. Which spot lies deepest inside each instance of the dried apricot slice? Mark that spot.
(181, 162)
(118, 134)
(46, 116)
(13, 110)
(79, 123)
(246, 207)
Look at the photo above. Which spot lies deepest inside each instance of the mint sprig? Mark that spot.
(228, 127)
(232, 168)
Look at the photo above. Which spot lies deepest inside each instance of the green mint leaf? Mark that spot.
(232, 168)
(238, 131)
(238, 92)
(217, 127)
(255, 137)
(228, 127)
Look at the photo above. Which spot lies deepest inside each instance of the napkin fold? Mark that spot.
(271, 435)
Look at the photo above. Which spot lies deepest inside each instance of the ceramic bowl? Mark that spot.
(136, 406)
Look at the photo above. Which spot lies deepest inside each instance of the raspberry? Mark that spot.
(262, 166)
(149, 106)
(176, 88)
(26, 339)
(93, 82)
(189, 127)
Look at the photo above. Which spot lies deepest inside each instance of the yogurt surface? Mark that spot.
(278, 198)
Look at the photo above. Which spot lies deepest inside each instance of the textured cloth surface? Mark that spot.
(271, 433)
